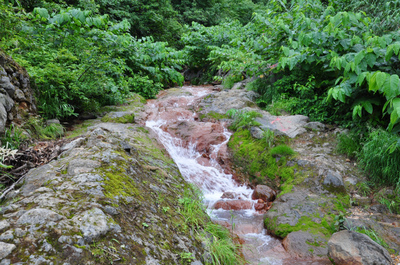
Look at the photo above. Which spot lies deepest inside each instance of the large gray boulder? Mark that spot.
(348, 247)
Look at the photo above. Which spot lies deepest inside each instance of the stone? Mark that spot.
(290, 126)
(39, 217)
(7, 236)
(78, 166)
(4, 225)
(229, 195)
(333, 180)
(5, 83)
(305, 244)
(93, 224)
(111, 210)
(315, 126)
(348, 247)
(19, 95)
(6, 249)
(259, 206)
(72, 144)
(256, 132)
(263, 192)
(52, 121)
(232, 205)
(238, 85)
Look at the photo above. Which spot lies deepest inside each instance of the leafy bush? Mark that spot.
(380, 157)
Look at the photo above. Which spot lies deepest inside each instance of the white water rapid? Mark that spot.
(172, 111)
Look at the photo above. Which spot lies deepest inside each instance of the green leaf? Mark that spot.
(368, 107)
(42, 12)
(380, 79)
(372, 83)
(361, 78)
(389, 52)
(391, 88)
(357, 110)
(359, 56)
(370, 59)
(394, 116)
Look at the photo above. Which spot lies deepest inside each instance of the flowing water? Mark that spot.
(199, 149)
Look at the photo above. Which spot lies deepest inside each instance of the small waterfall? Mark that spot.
(210, 176)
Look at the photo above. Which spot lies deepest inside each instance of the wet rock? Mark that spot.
(260, 206)
(229, 195)
(305, 245)
(6, 249)
(233, 205)
(39, 217)
(263, 192)
(348, 247)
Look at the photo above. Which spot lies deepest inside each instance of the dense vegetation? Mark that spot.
(336, 61)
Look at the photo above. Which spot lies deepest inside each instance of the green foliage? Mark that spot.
(254, 156)
(36, 128)
(80, 61)
(349, 144)
(380, 157)
(218, 240)
(242, 119)
(13, 137)
(269, 137)
(339, 221)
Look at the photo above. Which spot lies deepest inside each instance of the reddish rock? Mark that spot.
(260, 201)
(233, 205)
(263, 192)
(259, 206)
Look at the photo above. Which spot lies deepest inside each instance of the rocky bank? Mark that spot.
(110, 197)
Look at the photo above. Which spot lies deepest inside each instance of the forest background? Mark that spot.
(335, 61)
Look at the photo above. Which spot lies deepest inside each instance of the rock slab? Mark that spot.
(352, 248)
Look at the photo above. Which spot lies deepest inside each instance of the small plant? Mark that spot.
(269, 137)
(165, 209)
(242, 119)
(186, 257)
(339, 221)
(363, 188)
(145, 225)
(13, 137)
(372, 234)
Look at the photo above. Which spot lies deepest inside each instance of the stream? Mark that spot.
(200, 151)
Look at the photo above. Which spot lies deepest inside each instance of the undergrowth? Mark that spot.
(218, 239)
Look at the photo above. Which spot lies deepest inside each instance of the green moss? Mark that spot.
(255, 157)
(79, 129)
(305, 223)
(282, 150)
(213, 115)
(128, 118)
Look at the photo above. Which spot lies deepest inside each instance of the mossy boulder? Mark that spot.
(112, 195)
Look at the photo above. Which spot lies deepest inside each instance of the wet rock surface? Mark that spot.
(99, 201)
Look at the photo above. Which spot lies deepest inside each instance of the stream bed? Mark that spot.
(200, 151)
